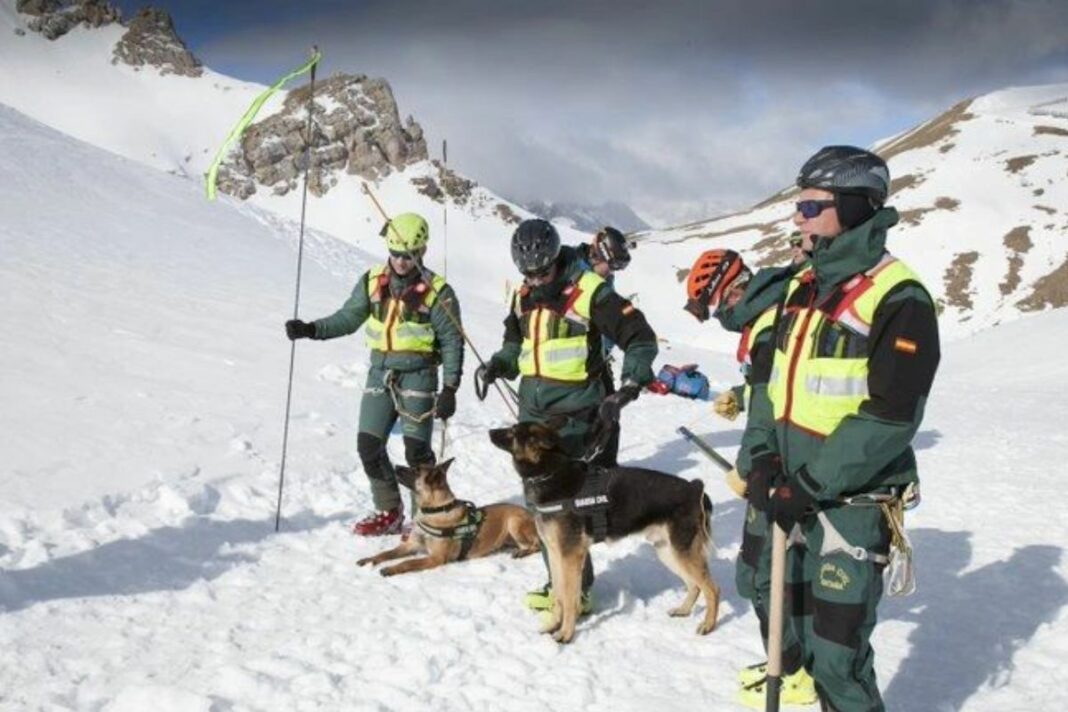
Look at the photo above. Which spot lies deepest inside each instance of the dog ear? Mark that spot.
(502, 438)
(405, 475)
(444, 466)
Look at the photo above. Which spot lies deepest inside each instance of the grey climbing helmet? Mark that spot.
(847, 169)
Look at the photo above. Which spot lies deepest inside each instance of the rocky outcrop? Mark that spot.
(151, 41)
(55, 18)
(357, 129)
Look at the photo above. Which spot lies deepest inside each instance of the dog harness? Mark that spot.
(591, 502)
(466, 531)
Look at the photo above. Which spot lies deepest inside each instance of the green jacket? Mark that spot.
(449, 341)
(610, 315)
(764, 291)
(871, 449)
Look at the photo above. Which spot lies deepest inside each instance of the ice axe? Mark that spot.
(736, 483)
(778, 575)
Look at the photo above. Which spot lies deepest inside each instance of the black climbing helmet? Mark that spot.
(610, 246)
(847, 169)
(535, 245)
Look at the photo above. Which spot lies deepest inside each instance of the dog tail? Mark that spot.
(706, 509)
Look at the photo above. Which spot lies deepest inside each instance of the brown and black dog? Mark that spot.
(673, 514)
(450, 529)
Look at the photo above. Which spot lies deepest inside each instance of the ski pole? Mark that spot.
(296, 298)
(430, 284)
(704, 447)
(773, 684)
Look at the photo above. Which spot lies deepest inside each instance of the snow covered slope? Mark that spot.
(176, 123)
(984, 209)
(140, 405)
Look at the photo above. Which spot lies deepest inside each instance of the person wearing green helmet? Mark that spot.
(413, 323)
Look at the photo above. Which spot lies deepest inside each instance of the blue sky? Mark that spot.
(678, 108)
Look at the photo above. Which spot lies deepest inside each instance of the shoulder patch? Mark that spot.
(905, 346)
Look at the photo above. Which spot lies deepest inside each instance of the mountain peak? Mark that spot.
(55, 18)
(151, 40)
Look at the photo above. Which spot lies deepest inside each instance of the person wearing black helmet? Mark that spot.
(553, 340)
(607, 254)
(856, 350)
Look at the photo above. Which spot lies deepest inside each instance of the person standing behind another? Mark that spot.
(605, 255)
(413, 323)
(856, 350)
(553, 339)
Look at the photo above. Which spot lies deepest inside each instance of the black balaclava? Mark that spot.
(853, 209)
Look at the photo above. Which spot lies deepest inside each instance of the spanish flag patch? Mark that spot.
(905, 346)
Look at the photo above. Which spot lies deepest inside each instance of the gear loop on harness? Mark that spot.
(396, 394)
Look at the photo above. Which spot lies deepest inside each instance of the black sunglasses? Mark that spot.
(812, 208)
(539, 273)
(401, 255)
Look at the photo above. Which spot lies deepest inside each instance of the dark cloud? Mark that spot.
(673, 107)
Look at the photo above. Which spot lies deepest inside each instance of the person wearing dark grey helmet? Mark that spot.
(607, 254)
(553, 340)
(856, 350)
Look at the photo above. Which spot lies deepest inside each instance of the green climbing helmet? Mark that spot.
(407, 232)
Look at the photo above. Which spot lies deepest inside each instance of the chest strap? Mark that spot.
(591, 502)
(465, 531)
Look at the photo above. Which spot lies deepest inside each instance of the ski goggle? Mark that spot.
(812, 208)
(402, 255)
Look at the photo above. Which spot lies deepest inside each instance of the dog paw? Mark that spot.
(365, 562)
(563, 637)
(385, 573)
(706, 627)
(679, 612)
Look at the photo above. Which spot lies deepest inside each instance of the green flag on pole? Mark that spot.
(250, 114)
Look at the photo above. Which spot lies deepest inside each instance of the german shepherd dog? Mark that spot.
(450, 529)
(673, 514)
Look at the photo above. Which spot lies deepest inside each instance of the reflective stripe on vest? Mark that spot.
(395, 332)
(816, 394)
(556, 355)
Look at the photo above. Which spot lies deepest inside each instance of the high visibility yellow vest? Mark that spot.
(745, 347)
(555, 344)
(820, 372)
(394, 325)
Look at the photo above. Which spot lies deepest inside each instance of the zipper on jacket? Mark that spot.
(535, 324)
(792, 370)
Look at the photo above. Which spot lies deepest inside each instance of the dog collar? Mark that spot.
(443, 508)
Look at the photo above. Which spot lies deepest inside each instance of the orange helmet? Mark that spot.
(710, 277)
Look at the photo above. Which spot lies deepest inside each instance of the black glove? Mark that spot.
(612, 406)
(486, 374)
(766, 467)
(790, 504)
(297, 329)
(446, 405)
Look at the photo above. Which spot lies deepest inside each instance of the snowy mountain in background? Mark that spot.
(588, 218)
(133, 89)
(984, 210)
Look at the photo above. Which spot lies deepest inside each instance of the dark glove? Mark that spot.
(758, 482)
(297, 329)
(790, 504)
(612, 406)
(446, 405)
(486, 374)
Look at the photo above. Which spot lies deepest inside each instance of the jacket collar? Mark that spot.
(857, 250)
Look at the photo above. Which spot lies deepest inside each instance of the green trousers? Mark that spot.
(414, 392)
(839, 609)
(752, 577)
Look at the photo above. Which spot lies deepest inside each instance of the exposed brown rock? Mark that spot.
(55, 18)
(958, 280)
(362, 134)
(505, 213)
(1045, 209)
(914, 216)
(944, 203)
(946, 148)
(151, 41)
(1015, 165)
(765, 228)
(1049, 291)
(1050, 131)
(909, 180)
(428, 187)
(1018, 241)
(931, 132)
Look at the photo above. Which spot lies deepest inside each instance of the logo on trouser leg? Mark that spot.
(834, 577)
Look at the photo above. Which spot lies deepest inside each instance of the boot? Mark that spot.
(797, 689)
(380, 523)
